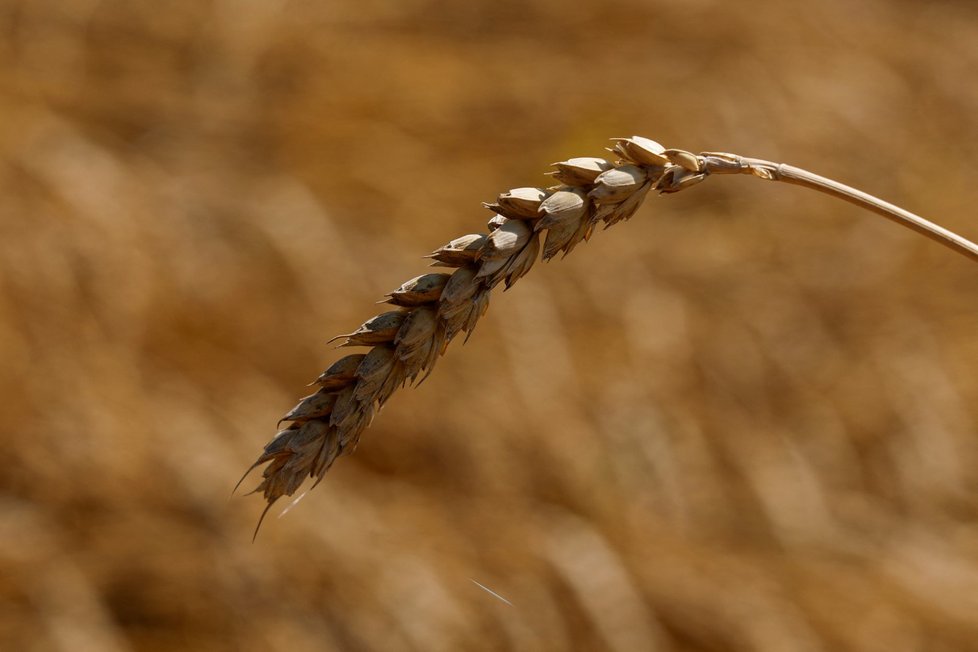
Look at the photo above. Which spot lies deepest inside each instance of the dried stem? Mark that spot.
(428, 311)
(797, 176)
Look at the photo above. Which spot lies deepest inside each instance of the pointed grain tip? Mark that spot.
(261, 518)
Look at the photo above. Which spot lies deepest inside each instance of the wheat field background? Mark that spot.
(744, 420)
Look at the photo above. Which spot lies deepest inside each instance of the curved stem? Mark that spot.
(731, 163)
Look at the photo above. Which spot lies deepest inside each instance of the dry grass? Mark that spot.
(727, 425)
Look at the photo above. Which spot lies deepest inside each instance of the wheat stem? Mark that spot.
(797, 176)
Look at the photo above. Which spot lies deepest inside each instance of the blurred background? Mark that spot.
(744, 420)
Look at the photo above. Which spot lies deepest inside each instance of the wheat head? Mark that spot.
(430, 310)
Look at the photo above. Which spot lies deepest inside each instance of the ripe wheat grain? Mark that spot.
(432, 309)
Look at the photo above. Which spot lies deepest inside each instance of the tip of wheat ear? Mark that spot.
(431, 309)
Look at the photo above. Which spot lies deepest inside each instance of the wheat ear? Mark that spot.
(430, 310)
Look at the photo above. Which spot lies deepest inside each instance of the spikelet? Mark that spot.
(519, 203)
(419, 290)
(432, 309)
(376, 330)
(580, 171)
(459, 252)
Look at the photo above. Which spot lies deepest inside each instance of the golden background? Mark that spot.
(744, 420)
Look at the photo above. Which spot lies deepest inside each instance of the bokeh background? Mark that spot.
(744, 420)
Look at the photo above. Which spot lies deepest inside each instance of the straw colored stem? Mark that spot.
(799, 177)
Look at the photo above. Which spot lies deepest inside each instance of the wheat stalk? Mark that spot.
(430, 310)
